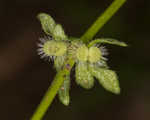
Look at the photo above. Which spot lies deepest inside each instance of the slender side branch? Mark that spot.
(98, 24)
(52, 90)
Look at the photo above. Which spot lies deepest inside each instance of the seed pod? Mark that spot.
(107, 78)
(83, 76)
(63, 92)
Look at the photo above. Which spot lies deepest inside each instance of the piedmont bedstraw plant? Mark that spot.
(86, 54)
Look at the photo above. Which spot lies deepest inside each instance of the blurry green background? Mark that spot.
(24, 77)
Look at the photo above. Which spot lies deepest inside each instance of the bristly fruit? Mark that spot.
(52, 48)
(95, 54)
(82, 53)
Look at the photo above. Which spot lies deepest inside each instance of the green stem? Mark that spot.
(52, 90)
(59, 78)
(98, 24)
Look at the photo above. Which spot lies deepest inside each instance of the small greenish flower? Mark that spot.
(90, 59)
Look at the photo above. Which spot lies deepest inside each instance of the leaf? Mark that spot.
(108, 41)
(107, 78)
(59, 33)
(83, 76)
(48, 24)
(63, 92)
(59, 62)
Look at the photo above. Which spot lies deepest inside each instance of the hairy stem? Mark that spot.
(98, 24)
(60, 76)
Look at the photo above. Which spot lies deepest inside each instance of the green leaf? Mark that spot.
(83, 76)
(48, 24)
(108, 41)
(63, 92)
(107, 78)
(59, 62)
(59, 33)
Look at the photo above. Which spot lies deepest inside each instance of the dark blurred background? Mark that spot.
(24, 77)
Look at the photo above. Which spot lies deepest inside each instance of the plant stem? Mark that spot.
(60, 76)
(52, 90)
(98, 24)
